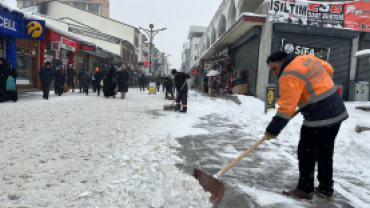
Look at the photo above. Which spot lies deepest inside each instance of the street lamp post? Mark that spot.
(151, 33)
(166, 61)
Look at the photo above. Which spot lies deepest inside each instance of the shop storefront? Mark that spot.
(317, 38)
(58, 50)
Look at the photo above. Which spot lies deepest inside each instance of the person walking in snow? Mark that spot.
(110, 84)
(71, 73)
(81, 76)
(6, 71)
(122, 79)
(169, 86)
(97, 76)
(180, 80)
(158, 82)
(86, 83)
(46, 76)
(60, 79)
(143, 81)
(305, 81)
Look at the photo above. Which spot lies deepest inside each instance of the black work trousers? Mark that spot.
(316, 144)
(182, 98)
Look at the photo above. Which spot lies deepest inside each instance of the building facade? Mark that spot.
(100, 7)
(243, 33)
(185, 57)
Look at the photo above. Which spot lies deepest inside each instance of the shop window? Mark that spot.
(80, 6)
(2, 47)
(94, 8)
(23, 66)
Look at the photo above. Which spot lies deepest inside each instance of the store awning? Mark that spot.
(246, 22)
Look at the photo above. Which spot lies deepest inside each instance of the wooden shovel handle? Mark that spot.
(233, 163)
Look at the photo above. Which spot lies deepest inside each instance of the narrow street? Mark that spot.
(87, 151)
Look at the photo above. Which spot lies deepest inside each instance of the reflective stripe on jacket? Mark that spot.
(306, 83)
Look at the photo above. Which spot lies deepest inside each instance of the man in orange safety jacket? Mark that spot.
(305, 81)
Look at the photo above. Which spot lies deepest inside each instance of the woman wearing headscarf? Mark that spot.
(6, 71)
(122, 78)
(109, 84)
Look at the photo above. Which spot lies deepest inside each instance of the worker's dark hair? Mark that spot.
(174, 71)
(276, 56)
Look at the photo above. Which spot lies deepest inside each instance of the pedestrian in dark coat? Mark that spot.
(109, 84)
(162, 81)
(96, 77)
(169, 86)
(158, 82)
(60, 79)
(182, 89)
(71, 73)
(46, 75)
(6, 71)
(143, 82)
(81, 76)
(87, 82)
(122, 78)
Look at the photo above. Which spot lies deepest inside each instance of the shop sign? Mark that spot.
(34, 29)
(325, 14)
(57, 55)
(55, 45)
(11, 24)
(357, 16)
(67, 44)
(302, 49)
(88, 47)
(96, 35)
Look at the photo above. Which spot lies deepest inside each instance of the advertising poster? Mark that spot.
(323, 14)
(357, 16)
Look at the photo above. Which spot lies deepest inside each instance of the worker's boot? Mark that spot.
(184, 110)
(298, 194)
(326, 194)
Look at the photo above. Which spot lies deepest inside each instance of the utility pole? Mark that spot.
(151, 33)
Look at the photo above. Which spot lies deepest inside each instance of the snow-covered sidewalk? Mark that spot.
(79, 151)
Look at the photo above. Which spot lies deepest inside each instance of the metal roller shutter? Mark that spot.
(363, 64)
(340, 52)
(246, 59)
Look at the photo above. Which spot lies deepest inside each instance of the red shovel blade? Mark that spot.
(211, 185)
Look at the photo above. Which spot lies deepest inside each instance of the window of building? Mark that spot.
(196, 46)
(2, 48)
(80, 6)
(28, 3)
(93, 8)
(23, 66)
(196, 58)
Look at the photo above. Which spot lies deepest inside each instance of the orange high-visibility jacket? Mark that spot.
(306, 82)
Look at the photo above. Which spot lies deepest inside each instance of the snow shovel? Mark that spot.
(172, 106)
(212, 184)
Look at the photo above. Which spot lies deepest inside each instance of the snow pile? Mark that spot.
(365, 52)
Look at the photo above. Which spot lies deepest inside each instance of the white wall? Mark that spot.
(194, 52)
(106, 45)
(115, 28)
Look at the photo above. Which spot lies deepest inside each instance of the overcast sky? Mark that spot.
(175, 15)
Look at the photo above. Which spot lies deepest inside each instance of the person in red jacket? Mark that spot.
(305, 82)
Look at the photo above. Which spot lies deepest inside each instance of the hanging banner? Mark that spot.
(302, 49)
(323, 14)
(357, 16)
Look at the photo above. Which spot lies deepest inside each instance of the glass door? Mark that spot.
(24, 66)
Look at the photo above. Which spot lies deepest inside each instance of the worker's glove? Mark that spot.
(269, 136)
